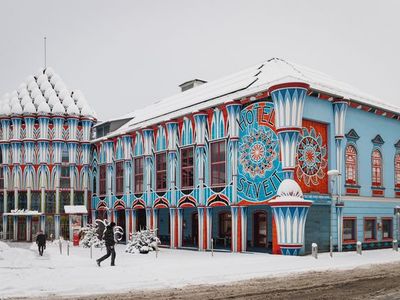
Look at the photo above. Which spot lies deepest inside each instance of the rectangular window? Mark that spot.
(369, 229)
(349, 230)
(103, 179)
(387, 228)
(218, 162)
(161, 171)
(187, 167)
(65, 177)
(138, 175)
(119, 177)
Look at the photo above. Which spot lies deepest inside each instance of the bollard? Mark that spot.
(330, 247)
(68, 248)
(91, 251)
(314, 250)
(60, 244)
(359, 248)
(395, 246)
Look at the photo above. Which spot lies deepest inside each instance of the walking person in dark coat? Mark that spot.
(41, 242)
(110, 244)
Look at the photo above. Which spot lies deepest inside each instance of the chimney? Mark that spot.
(191, 84)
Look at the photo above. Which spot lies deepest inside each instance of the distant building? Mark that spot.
(205, 166)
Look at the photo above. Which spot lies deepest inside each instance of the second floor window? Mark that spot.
(138, 174)
(376, 168)
(161, 171)
(187, 167)
(218, 162)
(397, 170)
(351, 165)
(1, 177)
(103, 179)
(65, 177)
(119, 177)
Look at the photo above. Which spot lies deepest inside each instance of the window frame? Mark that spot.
(211, 163)
(354, 240)
(378, 166)
(102, 181)
(390, 238)
(119, 178)
(397, 171)
(186, 148)
(136, 175)
(354, 179)
(374, 238)
(162, 171)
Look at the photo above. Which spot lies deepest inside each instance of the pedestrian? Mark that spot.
(41, 242)
(110, 244)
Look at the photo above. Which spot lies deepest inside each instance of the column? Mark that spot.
(134, 229)
(339, 112)
(209, 228)
(127, 223)
(173, 227)
(243, 228)
(288, 104)
(202, 220)
(28, 227)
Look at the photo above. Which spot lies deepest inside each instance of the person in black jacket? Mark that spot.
(41, 242)
(110, 244)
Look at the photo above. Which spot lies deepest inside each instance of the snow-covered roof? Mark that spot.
(45, 93)
(242, 84)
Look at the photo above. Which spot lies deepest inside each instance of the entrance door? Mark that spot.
(64, 227)
(225, 230)
(195, 229)
(35, 227)
(21, 228)
(140, 219)
(120, 214)
(10, 227)
(260, 229)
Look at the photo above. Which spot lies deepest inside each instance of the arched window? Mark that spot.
(397, 170)
(376, 168)
(351, 165)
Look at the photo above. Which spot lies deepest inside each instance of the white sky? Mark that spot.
(126, 54)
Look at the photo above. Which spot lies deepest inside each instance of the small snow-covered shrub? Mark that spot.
(91, 237)
(143, 242)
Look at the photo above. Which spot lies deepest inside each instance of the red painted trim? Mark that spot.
(289, 85)
(239, 230)
(275, 247)
(205, 233)
(176, 228)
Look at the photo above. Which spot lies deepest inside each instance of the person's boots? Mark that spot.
(98, 262)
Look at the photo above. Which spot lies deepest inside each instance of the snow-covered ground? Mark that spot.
(24, 273)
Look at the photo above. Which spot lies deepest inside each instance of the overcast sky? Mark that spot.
(126, 54)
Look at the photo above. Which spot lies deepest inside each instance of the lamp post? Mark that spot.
(336, 176)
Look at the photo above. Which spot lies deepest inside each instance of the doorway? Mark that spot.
(64, 227)
(260, 229)
(140, 219)
(121, 221)
(21, 228)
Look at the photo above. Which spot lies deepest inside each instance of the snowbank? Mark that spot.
(23, 273)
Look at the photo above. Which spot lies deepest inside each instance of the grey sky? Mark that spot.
(125, 54)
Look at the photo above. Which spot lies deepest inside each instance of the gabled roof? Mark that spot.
(241, 84)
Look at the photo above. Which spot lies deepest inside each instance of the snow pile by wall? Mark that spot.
(143, 242)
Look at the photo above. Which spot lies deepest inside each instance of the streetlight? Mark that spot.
(335, 174)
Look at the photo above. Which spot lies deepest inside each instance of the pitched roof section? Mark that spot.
(244, 83)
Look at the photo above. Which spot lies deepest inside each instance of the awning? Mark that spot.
(22, 212)
(75, 209)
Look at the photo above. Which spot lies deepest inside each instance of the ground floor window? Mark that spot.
(369, 229)
(387, 228)
(260, 229)
(22, 200)
(50, 227)
(65, 199)
(35, 201)
(78, 198)
(64, 226)
(1, 203)
(10, 201)
(102, 214)
(349, 230)
(50, 202)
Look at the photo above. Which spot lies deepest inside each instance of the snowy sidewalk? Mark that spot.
(24, 273)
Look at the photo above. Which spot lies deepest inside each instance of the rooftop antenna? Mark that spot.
(45, 54)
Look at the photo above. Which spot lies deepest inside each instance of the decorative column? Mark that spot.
(127, 223)
(339, 113)
(288, 104)
(134, 229)
(148, 172)
(16, 155)
(172, 132)
(5, 149)
(43, 144)
(236, 212)
(290, 213)
(200, 154)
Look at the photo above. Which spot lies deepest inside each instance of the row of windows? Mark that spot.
(376, 167)
(371, 227)
(217, 169)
